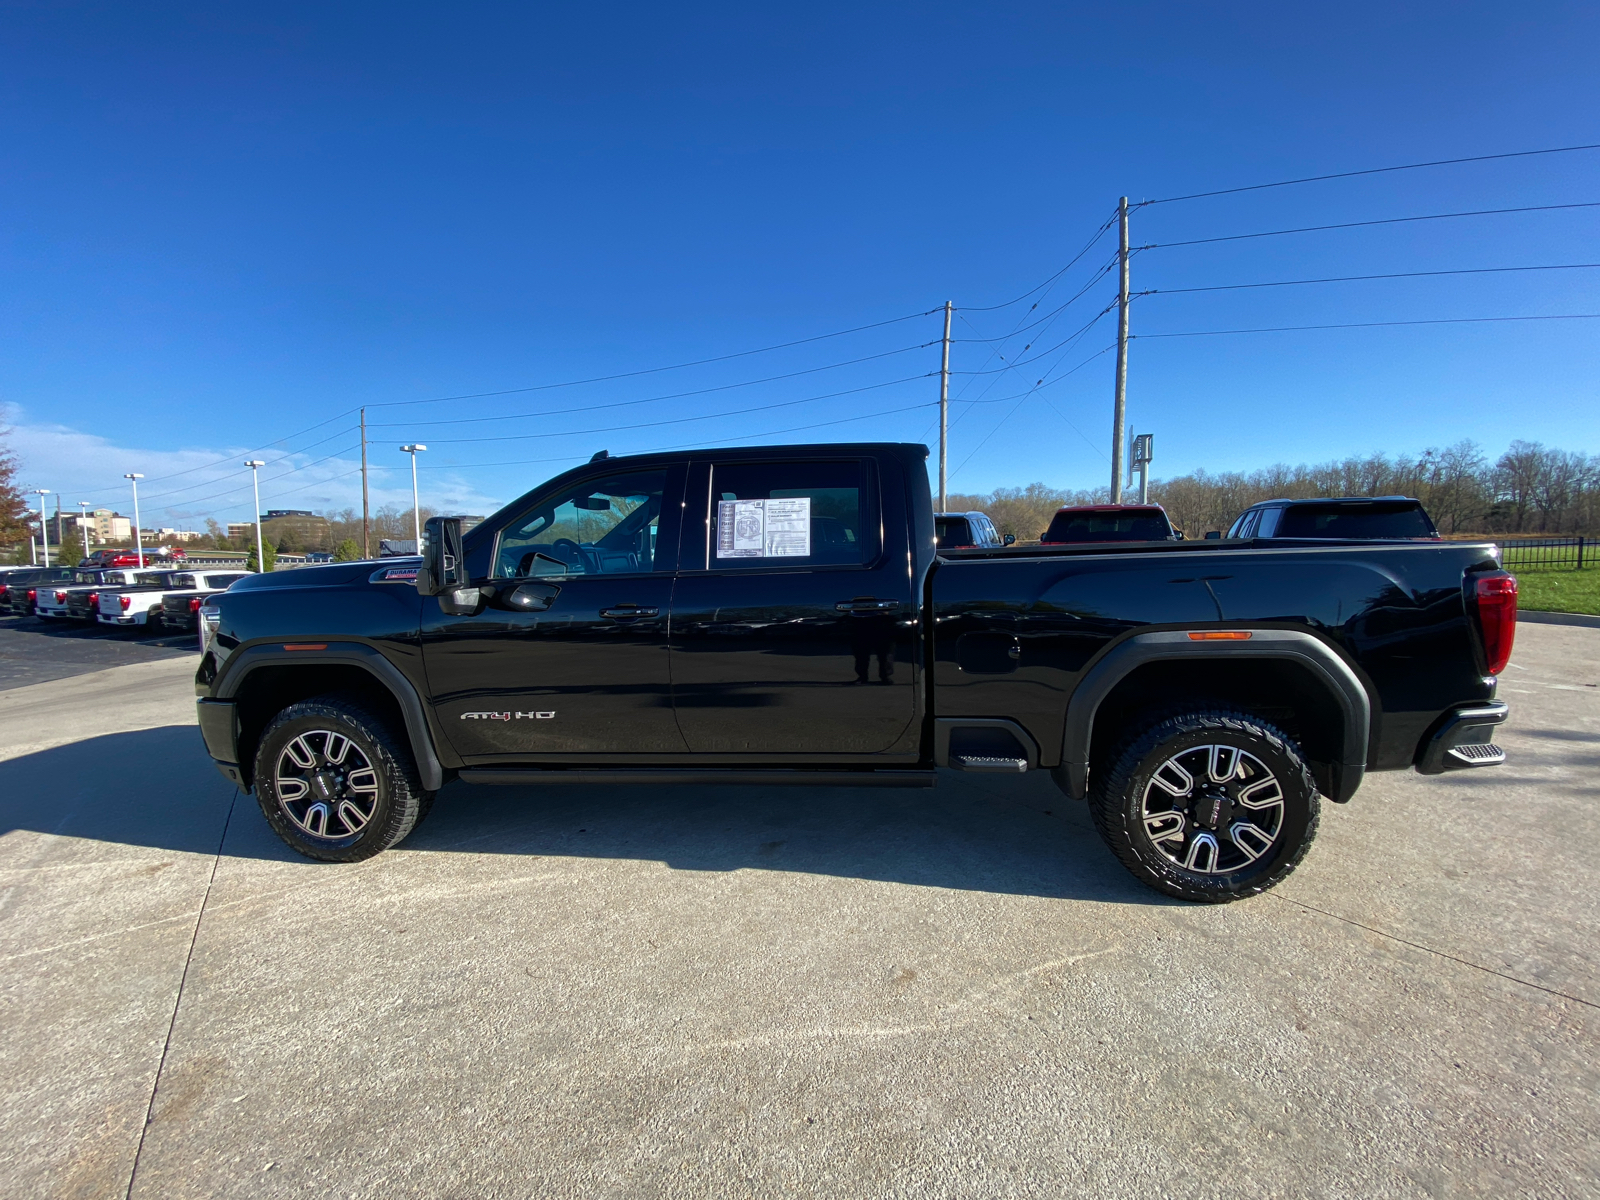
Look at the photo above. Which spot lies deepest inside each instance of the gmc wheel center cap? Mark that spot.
(1213, 809)
(325, 784)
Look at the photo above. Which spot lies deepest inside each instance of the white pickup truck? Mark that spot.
(141, 603)
(55, 603)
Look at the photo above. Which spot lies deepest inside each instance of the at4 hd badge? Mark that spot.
(507, 716)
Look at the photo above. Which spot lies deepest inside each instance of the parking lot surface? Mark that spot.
(33, 650)
(737, 992)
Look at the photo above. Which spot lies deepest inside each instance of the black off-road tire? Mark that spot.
(400, 802)
(1117, 804)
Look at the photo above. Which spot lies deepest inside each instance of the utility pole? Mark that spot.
(83, 524)
(366, 507)
(138, 537)
(44, 524)
(944, 413)
(416, 505)
(1120, 409)
(255, 465)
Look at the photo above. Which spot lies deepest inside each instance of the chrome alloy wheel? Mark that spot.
(326, 785)
(1213, 809)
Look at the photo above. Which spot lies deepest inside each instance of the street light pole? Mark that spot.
(83, 524)
(255, 483)
(416, 507)
(44, 526)
(138, 537)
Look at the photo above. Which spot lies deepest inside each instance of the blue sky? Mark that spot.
(224, 225)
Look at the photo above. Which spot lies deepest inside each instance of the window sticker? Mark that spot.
(764, 528)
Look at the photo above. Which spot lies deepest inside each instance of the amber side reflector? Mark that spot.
(1219, 635)
(318, 646)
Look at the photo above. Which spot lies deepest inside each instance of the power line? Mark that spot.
(1482, 212)
(700, 362)
(1378, 324)
(519, 437)
(1443, 162)
(726, 387)
(1087, 246)
(1021, 399)
(1023, 362)
(1232, 287)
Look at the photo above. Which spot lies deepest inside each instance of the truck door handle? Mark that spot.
(866, 604)
(628, 612)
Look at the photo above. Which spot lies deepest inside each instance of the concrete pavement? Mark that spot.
(725, 992)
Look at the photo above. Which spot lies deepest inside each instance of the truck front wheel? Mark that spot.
(336, 782)
(1209, 806)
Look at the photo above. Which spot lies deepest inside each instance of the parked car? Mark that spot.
(1081, 523)
(152, 556)
(19, 590)
(967, 531)
(75, 599)
(1352, 517)
(141, 603)
(181, 609)
(677, 618)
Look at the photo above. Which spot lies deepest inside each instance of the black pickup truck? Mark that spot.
(781, 616)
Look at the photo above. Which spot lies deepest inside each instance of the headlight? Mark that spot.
(210, 618)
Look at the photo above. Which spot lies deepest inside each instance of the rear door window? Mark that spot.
(1374, 519)
(790, 514)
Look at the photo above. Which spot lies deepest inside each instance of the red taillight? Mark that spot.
(194, 605)
(61, 597)
(126, 602)
(33, 594)
(94, 599)
(1497, 617)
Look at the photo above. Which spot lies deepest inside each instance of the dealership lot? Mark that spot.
(727, 992)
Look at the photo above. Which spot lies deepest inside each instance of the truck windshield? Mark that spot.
(1378, 519)
(1108, 527)
(951, 531)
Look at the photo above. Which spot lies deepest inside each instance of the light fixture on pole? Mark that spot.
(416, 508)
(255, 465)
(138, 537)
(44, 528)
(83, 524)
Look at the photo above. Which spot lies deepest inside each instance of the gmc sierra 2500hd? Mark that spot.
(781, 616)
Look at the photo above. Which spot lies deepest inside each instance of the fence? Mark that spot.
(1549, 554)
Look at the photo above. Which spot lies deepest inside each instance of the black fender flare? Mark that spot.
(356, 654)
(1127, 656)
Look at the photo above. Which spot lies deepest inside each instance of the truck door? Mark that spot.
(793, 621)
(576, 663)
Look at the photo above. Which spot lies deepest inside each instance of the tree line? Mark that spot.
(1531, 489)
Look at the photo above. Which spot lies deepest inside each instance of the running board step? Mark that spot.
(1480, 754)
(985, 762)
(652, 776)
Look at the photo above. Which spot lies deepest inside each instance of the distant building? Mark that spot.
(107, 526)
(176, 535)
(300, 526)
(238, 530)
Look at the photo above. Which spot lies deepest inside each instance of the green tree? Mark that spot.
(347, 551)
(13, 504)
(272, 557)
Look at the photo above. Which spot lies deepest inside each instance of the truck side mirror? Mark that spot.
(1213, 533)
(442, 567)
(1009, 539)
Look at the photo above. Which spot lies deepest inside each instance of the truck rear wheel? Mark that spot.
(1209, 806)
(336, 782)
